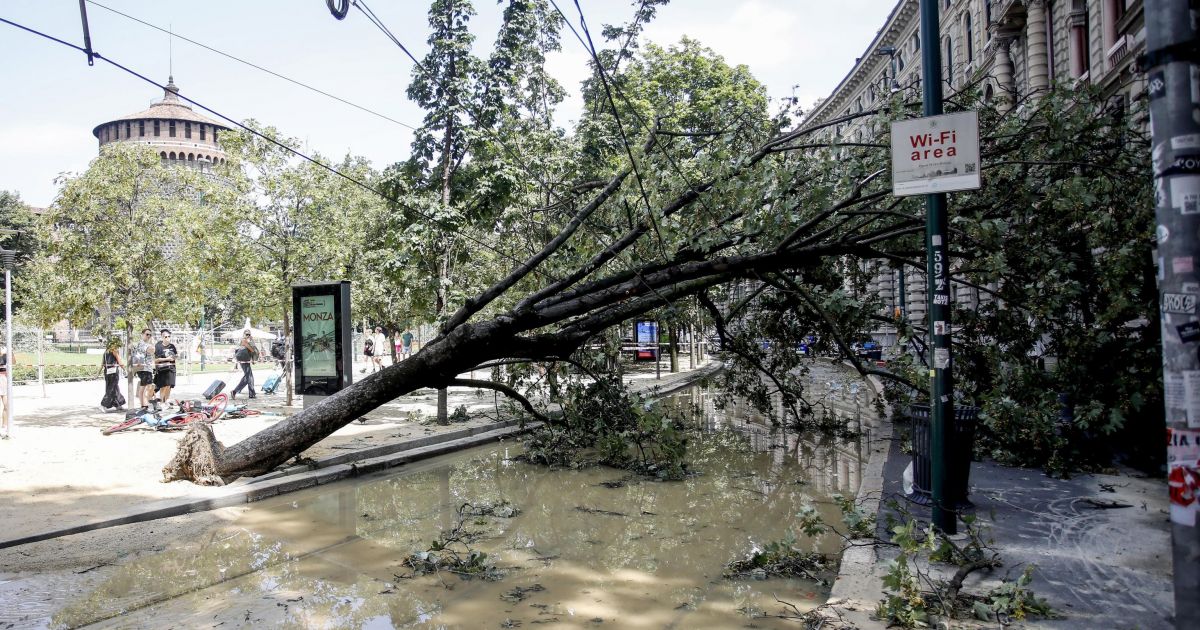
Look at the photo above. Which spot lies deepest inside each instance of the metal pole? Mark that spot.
(8, 338)
(657, 353)
(1171, 64)
(937, 264)
(41, 361)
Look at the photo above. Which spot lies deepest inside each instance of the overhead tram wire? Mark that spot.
(361, 184)
(256, 66)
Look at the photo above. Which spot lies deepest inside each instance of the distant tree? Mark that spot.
(297, 222)
(128, 241)
(17, 231)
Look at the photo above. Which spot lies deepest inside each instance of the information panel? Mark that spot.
(322, 341)
(647, 340)
(935, 154)
(318, 344)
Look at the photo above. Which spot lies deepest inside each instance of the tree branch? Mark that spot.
(503, 389)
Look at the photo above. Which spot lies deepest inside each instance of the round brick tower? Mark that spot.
(180, 135)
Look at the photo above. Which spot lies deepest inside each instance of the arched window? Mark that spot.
(970, 35)
(949, 60)
(162, 154)
(171, 155)
(987, 93)
(1080, 57)
(191, 157)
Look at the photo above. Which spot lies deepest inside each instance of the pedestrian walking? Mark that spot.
(111, 368)
(406, 340)
(381, 345)
(141, 361)
(398, 343)
(368, 351)
(165, 353)
(279, 352)
(245, 355)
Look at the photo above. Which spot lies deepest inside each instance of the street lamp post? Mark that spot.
(7, 258)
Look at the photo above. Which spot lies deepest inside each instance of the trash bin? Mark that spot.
(959, 467)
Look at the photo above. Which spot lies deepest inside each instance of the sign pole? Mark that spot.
(1171, 67)
(941, 403)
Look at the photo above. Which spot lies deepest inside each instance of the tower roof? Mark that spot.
(171, 107)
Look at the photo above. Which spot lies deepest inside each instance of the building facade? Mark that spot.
(1011, 50)
(172, 128)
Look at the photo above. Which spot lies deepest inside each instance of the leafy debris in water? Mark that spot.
(503, 509)
(521, 592)
(599, 511)
(779, 559)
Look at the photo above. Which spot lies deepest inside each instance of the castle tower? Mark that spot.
(180, 135)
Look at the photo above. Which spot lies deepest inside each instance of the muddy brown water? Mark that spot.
(593, 548)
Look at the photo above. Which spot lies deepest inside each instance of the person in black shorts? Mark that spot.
(164, 367)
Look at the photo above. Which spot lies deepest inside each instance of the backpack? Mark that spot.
(277, 348)
(368, 346)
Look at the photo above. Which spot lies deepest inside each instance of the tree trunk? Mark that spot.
(443, 415)
(130, 372)
(288, 361)
(673, 343)
(201, 458)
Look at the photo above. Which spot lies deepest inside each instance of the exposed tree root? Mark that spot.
(198, 457)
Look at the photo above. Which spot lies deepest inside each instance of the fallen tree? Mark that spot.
(800, 218)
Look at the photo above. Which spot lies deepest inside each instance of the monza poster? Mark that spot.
(318, 338)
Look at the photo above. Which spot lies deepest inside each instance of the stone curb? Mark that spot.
(329, 469)
(857, 588)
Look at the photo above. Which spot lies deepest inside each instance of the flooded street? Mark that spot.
(589, 548)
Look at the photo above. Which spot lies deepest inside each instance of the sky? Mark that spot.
(50, 99)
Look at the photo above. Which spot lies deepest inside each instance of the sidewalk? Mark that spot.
(57, 470)
(1100, 545)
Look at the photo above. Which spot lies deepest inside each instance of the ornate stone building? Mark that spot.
(1012, 50)
(180, 135)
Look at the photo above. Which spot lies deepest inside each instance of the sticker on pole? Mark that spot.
(935, 154)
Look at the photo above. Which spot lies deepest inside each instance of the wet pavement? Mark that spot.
(1100, 544)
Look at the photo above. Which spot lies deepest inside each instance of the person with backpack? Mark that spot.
(245, 355)
(111, 367)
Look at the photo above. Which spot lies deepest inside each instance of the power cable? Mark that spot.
(353, 180)
(255, 66)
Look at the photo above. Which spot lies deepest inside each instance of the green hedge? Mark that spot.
(28, 373)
